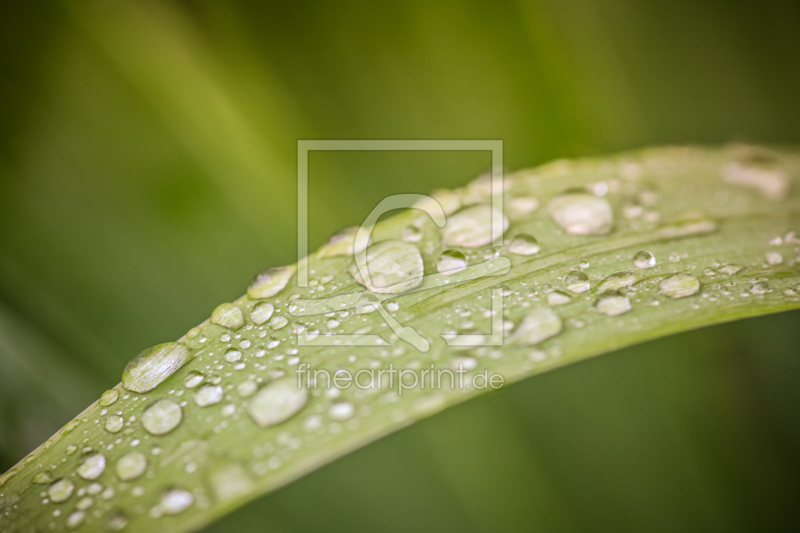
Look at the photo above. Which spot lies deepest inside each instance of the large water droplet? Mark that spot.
(582, 214)
(60, 491)
(131, 466)
(162, 417)
(539, 324)
(393, 267)
(613, 304)
(576, 281)
(154, 365)
(270, 282)
(523, 244)
(208, 395)
(450, 262)
(616, 281)
(644, 259)
(175, 500)
(679, 285)
(228, 316)
(261, 313)
(108, 397)
(472, 227)
(277, 401)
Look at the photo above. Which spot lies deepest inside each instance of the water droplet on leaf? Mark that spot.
(261, 313)
(208, 395)
(131, 466)
(613, 304)
(679, 285)
(162, 417)
(644, 259)
(154, 365)
(277, 402)
(392, 266)
(523, 244)
(472, 227)
(270, 282)
(576, 281)
(582, 214)
(539, 324)
(228, 316)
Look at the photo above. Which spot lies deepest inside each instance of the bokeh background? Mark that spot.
(147, 171)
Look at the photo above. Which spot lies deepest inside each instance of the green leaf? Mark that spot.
(599, 254)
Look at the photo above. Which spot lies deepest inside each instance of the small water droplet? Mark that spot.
(246, 388)
(730, 270)
(261, 313)
(208, 395)
(278, 322)
(270, 282)
(613, 304)
(762, 174)
(75, 519)
(679, 285)
(472, 227)
(175, 500)
(233, 356)
(228, 316)
(117, 522)
(114, 423)
(108, 397)
(412, 234)
(42, 478)
(674, 258)
(276, 402)
(131, 466)
(154, 365)
(341, 411)
(392, 266)
(644, 259)
(539, 324)
(162, 417)
(393, 306)
(92, 466)
(230, 481)
(582, 214)
(616, 281)
(558, 297)
(450, 262)
(774, 258)
(523, 244)
(760, 287)
(60, 490)
(576, 281)
(523, 205)
(193, 379)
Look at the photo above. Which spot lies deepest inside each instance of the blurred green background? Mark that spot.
(147, 171)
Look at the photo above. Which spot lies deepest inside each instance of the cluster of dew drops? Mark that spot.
(394, 267)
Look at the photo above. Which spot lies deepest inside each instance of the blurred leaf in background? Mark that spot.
(147, 171)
